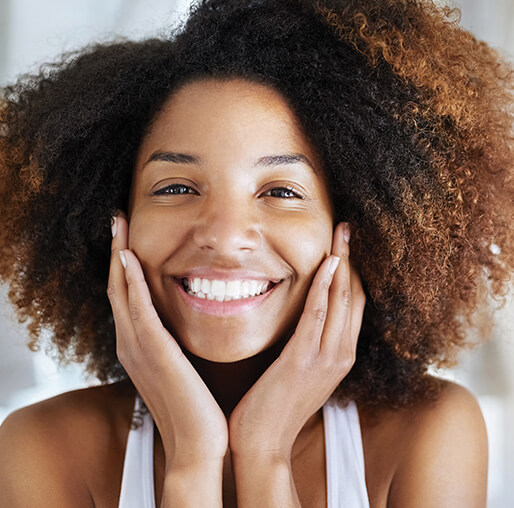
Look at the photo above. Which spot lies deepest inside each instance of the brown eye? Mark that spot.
(174, 189)
(284, 193)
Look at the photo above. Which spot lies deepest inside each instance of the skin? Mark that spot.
(230, 219)
(236, 400)
(231, 222)
(228, 223)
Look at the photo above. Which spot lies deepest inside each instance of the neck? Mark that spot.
(228, 382)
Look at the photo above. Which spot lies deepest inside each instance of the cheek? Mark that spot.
(303, 243)
(152, 236)
(308, 243)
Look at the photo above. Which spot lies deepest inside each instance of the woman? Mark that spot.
(304, 198)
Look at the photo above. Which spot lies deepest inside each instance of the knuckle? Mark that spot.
(111, 292)
(135, 311)
(319, 315)
(327, 364)
(348, 360)
(308, 361)
(325, 284)
(346, 297)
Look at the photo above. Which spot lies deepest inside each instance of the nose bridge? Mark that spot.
(227, 224)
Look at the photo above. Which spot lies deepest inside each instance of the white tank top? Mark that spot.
(346, 481)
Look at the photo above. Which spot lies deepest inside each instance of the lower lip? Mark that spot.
(215, 308)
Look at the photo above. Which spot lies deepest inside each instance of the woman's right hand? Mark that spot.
(192, 426)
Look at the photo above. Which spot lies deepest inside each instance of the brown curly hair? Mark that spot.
(412, 118)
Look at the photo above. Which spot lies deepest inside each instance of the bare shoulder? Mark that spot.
(433, 453)
(48, 448)
(455, 415)
(443, 455)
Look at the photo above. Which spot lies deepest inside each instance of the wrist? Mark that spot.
(193, 484)
(264, 481)
(262, 457)
(193, 467)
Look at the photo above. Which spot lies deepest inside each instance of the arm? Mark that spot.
(265, 483)
(191, 424)
(192, 487)
(446, 460)
(34, 469)
(265, 424)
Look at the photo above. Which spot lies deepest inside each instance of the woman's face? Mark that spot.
(215, 198)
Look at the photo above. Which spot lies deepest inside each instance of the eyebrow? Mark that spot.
(266, 161)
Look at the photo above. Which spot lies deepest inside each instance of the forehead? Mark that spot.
(250, 117)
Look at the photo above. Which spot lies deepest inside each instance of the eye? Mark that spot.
(284, 193)
(174, 189)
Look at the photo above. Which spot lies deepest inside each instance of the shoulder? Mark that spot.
(443, 452)
(70, 418)
(454, 419)
(48, 448)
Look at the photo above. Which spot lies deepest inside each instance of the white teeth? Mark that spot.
(218, 288)
(253, 287)
(233, 288)
(222, 291)
(262, 287)
(206, 286)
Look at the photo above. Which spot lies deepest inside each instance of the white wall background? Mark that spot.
(33, 32)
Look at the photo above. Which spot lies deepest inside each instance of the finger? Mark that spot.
(306, 339)
(345, 349)
(147, 324)
(117, 286)
(359, 303)
(337, 332)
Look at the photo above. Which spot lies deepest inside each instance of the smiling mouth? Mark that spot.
(221, 291)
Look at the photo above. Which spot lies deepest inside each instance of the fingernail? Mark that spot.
(346, 232)
(333, 264)
(123, 259)
(114, 226)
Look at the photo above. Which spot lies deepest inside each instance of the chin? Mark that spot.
(224, 350)
(224, 358)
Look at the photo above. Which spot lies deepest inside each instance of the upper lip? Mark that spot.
(216, 274)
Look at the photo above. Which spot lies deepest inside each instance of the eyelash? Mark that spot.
(175, 186)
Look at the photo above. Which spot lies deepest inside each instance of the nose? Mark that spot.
(228, 227)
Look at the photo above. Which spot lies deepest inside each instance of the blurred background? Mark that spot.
(33, 32)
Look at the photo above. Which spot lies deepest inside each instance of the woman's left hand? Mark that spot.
(321, 352)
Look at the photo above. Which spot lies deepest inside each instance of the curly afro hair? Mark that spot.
(412, 118)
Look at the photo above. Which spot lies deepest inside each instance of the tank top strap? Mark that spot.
(346, 478)
(137, 485)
